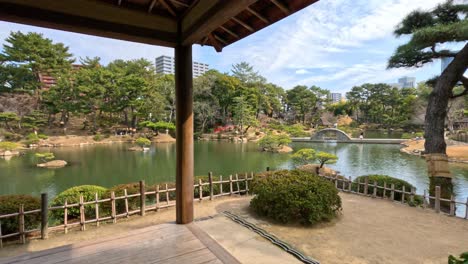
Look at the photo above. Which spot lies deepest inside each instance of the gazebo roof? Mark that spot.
(216, 23)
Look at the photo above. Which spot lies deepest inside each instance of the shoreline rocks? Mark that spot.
(53, 164)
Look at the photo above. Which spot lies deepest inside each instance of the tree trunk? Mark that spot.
(435, 118)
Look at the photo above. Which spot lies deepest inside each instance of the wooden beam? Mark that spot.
(209, 15)
(184, 134)
(255, 13)
(168, 7)
(214, 42)
(119, 2)
(281, 6)
(152, 5)
(220, 39)
(93, 18)
(229, 32)
(177, 2)
(249, 28)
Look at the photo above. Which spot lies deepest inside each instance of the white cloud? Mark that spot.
(302, 71)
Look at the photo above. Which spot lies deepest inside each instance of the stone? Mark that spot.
(53, 164)
(9, 153)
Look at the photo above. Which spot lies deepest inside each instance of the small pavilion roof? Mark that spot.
(216, 23)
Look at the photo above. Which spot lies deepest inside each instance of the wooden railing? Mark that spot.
(162, 199)
(389, 191)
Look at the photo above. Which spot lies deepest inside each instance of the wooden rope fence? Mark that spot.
(212, 187)
(403, 196)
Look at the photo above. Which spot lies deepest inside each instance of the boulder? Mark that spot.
(284, 149)
(163, 138)
(136, 149)
(9, 153)
(53, 164)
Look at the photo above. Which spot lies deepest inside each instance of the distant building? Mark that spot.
(166, 65)
(444, 62)
(407, 82)
(335, 97)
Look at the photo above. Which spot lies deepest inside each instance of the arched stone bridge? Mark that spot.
(323, 134)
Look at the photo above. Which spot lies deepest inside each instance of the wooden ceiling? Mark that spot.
(216, 23)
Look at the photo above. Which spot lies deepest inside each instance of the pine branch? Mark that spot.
(464, 81)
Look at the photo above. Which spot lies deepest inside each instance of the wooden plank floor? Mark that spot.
(165, 243)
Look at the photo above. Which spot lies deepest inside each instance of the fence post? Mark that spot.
(412, 195)
(96, 208)
(21, 224)
(403, 195)
(113, 213)
(210, 179)
(267, 168)
(424, 200)
(82, 214)
(230, 184)
(247, 184)
(200, 189)
(452, 205)
(392, 191)
(437, 199)
(65, 217)
(157, 197)
(374, 192)
(221, 184)
(126, 202)
(237, 184)
(358, 185)
(350, 183)
(44, 216)
(384, 190)
(142, 198)
(366, 185)
(167, 194)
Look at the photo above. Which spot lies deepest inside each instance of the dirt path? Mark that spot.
(369, 231)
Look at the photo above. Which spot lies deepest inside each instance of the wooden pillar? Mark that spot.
(184, 134)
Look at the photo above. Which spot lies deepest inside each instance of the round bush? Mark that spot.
(72, 196)
(10, 204)
(295, 196)
(381, 179)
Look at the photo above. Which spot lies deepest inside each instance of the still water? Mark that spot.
(109, 165)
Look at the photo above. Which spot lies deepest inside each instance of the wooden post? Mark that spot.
(113, 212)
(424, 200)
(247, 183)
(374, 192)
(452, 205)
(65, 217)
(200, 189)
(230, 184)
(392, 191)
(413, 191)
(237, 184)
(96, 208)
(184, 133)
(82, 214)
(267, 168)
(142, 198)
(403, 194)
(210, 179)
(384, 190)
(350, 185)
(220, 184)
(358, 184)
(157, 198)
(44, 216)
(167, 195)
(437, 199)
(126, 202)
(21, 224)
(366, 185)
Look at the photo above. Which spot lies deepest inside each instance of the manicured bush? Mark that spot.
(303, 156)
(72, 195)
(295, 196)
(45, 156)
(325, 158)
(133, 202)
(381, 179)
(271, 142)
(6, 145)
(10, 204)
(296, 130)
(143, 142)
(462, 260)
(31, 139)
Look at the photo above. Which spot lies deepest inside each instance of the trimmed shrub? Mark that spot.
(143, 142)
(5, 145)
(133, 202)
(295, 196)
(10, 204)
(42, 136)
(381, 179)
(271, 142)
(72, 195)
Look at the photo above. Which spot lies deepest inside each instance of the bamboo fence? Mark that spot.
(162, 199)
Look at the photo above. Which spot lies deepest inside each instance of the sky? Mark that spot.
(334, 44)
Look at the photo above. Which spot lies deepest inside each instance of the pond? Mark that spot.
(109, 165)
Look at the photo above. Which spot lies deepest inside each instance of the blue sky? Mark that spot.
(334, 44)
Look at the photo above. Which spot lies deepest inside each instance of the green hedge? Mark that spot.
(10, 204)
(295, 196)
(72, 196)
(381, 179)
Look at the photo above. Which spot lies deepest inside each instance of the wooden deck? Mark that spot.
(165, 243)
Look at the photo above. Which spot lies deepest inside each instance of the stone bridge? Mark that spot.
(324, 135)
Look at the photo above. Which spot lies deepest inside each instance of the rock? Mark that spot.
(53, 164)
(163, 138)
(284, 149)
(9, 153)
(136, 149)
